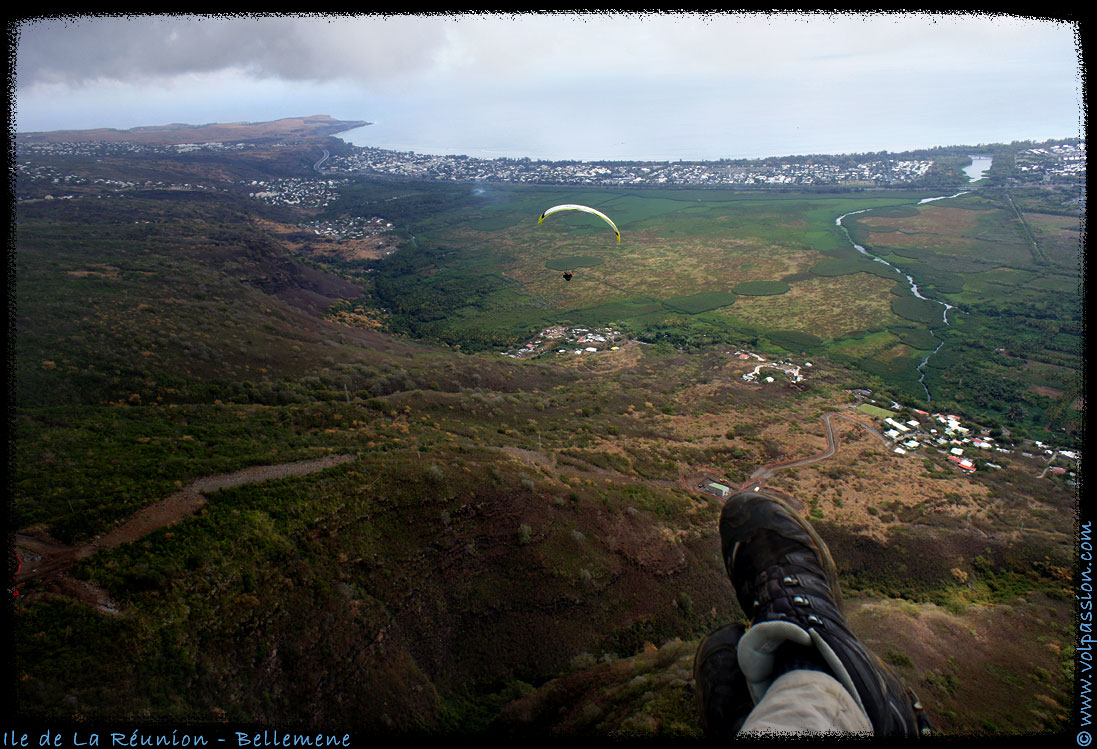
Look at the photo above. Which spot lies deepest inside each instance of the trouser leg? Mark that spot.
(806, 701)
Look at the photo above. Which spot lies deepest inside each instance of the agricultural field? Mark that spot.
(701, 267)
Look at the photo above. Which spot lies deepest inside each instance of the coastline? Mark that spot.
(317, 125)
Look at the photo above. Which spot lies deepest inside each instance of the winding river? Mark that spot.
(913, 286)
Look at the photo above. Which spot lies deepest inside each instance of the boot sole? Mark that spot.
(722, 697)
(747, 511)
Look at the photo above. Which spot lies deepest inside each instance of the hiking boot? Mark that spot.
(786, 582)
(723, 699)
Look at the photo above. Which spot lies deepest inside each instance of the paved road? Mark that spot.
(758, 478)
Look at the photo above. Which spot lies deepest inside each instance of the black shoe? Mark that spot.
(787, 583)
(723, 699)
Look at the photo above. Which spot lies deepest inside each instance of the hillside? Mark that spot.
(314, 126)
(491, 544)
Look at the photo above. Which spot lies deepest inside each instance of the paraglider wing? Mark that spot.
(585, 208)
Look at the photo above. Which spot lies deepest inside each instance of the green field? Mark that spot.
(696, 303)
(879, 413)
(761, 288)
(743, 266)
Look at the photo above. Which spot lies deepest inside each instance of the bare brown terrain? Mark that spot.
(326, 249)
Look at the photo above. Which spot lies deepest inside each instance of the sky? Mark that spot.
(597, 85)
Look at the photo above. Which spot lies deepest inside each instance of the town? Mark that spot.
(1061, 162)
(817, 171)
(1047, 164)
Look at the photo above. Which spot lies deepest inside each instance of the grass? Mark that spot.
(796, 340)
(149, 355)
(918, 338)
(703, 302)
(845, 266)
(880, 413)
(924, 311)
(761, 288)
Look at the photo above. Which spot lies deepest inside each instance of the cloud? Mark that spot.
(124, 71)
(82, 50)
(397, 50)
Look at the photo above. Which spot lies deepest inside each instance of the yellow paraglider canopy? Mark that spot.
(585, 208)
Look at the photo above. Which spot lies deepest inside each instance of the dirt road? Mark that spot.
(48, 560)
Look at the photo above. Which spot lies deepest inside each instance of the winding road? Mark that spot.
(758, 479)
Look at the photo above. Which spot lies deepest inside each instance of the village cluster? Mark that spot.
(122, 148)
(793, 371)
(1054, 163)
(965, 445)
(574, 341)
(357, 227)
(315, 193)
(60, 182)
